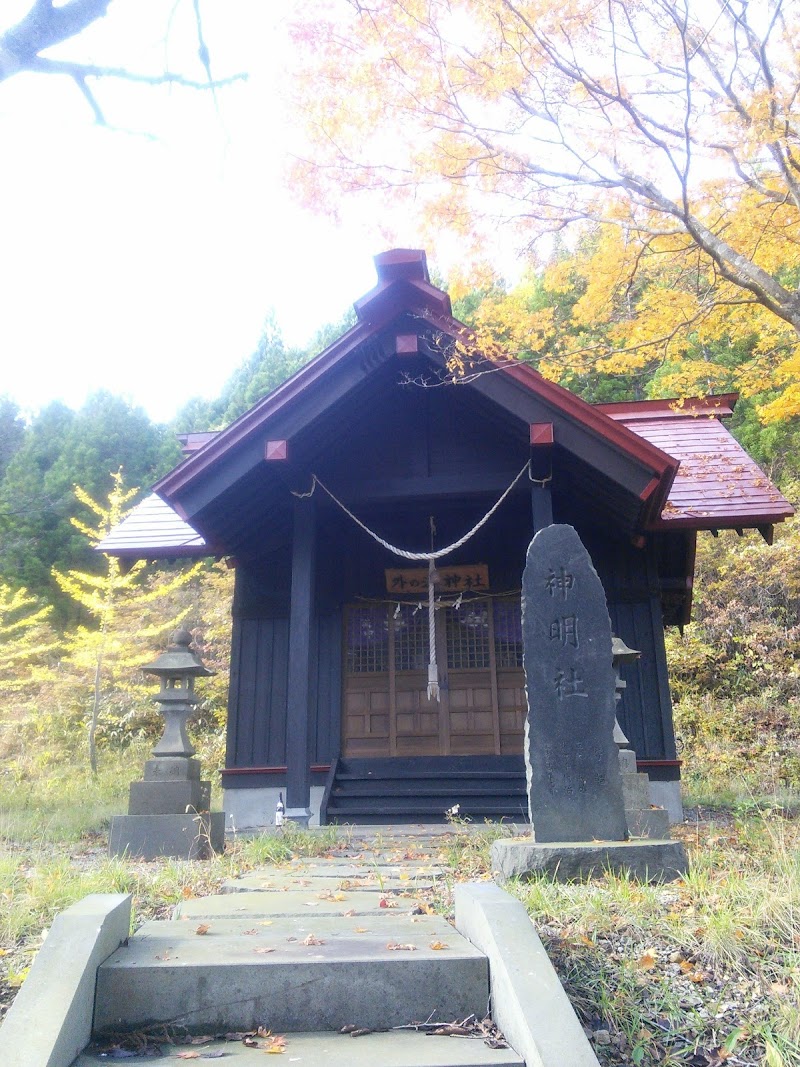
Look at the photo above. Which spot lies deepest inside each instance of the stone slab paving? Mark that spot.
(290, 902)
(296, 952)
(396, 1049)
(341, 877)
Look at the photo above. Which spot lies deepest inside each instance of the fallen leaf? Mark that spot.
(311, 940)
(361, 930)
(437, 946)
(188, 1056)
(349, 914)
(249, 931)
(203, 928)
(265, 922)
(384, 903)
(394, 947)
(263, 950)
(646, 962)
(686, 966)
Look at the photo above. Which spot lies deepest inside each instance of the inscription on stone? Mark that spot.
(574, 785)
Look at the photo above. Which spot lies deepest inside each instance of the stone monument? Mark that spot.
(169, 809)
(575, 791)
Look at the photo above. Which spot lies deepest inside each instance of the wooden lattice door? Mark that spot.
(386, 710)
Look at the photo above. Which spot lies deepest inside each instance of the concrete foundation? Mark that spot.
(650, 861)
(668, 795)
(221, 982)
(528, 1001)
(252, 809)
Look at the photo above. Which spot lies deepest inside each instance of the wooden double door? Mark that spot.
(386, 710)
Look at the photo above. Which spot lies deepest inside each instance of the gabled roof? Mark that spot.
(153, 529)
(677, 463)
(717, 484)
(404, 289)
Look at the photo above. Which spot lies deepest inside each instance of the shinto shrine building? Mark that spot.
(331, 652)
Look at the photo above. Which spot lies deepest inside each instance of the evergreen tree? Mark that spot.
(61, 449)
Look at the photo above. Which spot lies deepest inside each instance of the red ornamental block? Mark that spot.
(541, 433)
(407, 344)
(277, 450)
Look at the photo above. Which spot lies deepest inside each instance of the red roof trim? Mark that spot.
(664, 467)
(719, 405)
(591, 416)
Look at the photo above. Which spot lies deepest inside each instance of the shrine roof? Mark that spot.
(154, 530)
(675, 459)
(717, 484)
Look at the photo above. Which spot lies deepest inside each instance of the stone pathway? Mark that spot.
(303, 950)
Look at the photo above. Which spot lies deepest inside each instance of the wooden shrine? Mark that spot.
(331, 698)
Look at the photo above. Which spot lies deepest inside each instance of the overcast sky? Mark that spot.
(145, 262)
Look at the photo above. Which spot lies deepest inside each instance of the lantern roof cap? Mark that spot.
(179, 658)
(619, 648)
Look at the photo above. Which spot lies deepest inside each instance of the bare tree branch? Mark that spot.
(47, 25)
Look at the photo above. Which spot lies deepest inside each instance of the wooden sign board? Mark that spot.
(473, 578)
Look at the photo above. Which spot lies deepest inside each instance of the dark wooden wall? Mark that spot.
(422, 436)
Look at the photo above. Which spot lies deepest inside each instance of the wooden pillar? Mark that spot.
(541, 474)
(301, 621)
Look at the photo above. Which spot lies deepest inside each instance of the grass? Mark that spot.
(700, 972)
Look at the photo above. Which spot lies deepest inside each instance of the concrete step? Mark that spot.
(295, 902)
(339, 877)
(225, 980)
(397, 1049)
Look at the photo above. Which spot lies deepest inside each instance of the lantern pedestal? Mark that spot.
(168, 814)
(169, 809)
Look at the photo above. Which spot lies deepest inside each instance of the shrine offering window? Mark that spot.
(508, 633)
(467, 629)
(367, 640)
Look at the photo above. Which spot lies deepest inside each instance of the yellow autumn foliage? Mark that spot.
(660, 136)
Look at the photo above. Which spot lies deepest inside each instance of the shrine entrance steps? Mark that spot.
(303, 950)
(423, 789)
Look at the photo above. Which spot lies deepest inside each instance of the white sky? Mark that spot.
(146, 265)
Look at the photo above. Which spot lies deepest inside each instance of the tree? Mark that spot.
(62, 448)
(25, 637)
(269, 366)
(47, 25)
(12, 431)
(670, 125)
(111, 599)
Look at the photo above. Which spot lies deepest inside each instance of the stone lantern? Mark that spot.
(620, 654)
(177, 669)
(169, 809)
(643, 818)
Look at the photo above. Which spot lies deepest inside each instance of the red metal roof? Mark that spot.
(701, 477)
(154, 530)
(717, 484)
